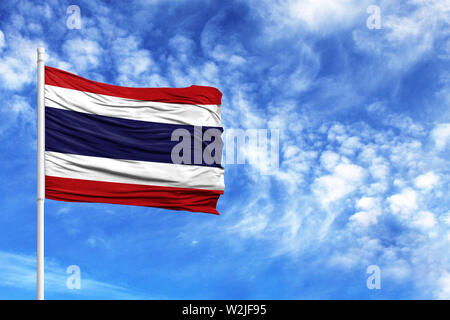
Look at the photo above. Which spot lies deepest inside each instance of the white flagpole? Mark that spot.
(40, 174)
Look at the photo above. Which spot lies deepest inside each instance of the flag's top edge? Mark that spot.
(190, 95)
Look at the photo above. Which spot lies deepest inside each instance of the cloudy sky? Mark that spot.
(364, 126)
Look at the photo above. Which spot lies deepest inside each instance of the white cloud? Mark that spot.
(345, 179)
(2, 40)
(18, 62)
(364, 218)
(397, 269)
(84, 54)
(443, 284)
(395, 120)
(20, 107)
(426, 181)
(17, 113)
(252, 225)
(350, 146)
(95, 241)
(337, 133)
(367, 203)
(379, 169)
(408, 34)
(446, 218)
(329, 160)
(424, 220)
(370, 209)
(367, 154)
(19, 271)
(403, 203)
(348, 180)
(183, 47)
(132, 62)
(441, 135)
(320, 15)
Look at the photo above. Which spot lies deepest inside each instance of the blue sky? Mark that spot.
(364, 123)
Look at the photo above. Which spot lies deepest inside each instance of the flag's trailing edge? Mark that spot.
(111, 144)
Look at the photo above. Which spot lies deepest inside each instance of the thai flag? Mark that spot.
(111, 144)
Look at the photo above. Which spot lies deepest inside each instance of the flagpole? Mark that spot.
(40, 174)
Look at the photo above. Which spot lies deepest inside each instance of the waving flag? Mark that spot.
(111, 144)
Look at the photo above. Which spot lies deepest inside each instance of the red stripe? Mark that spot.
(76, 190)
(190, 95)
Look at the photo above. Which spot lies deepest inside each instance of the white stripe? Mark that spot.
(135, 172)
(87, 102)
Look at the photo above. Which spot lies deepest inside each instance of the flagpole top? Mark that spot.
(40, 54)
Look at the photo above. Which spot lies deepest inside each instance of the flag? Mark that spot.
(112, 144)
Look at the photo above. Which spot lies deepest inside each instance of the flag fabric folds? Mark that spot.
(112, 144)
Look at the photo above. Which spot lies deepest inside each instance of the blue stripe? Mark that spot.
(108, 137)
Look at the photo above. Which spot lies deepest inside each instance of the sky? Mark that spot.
(364, 135)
